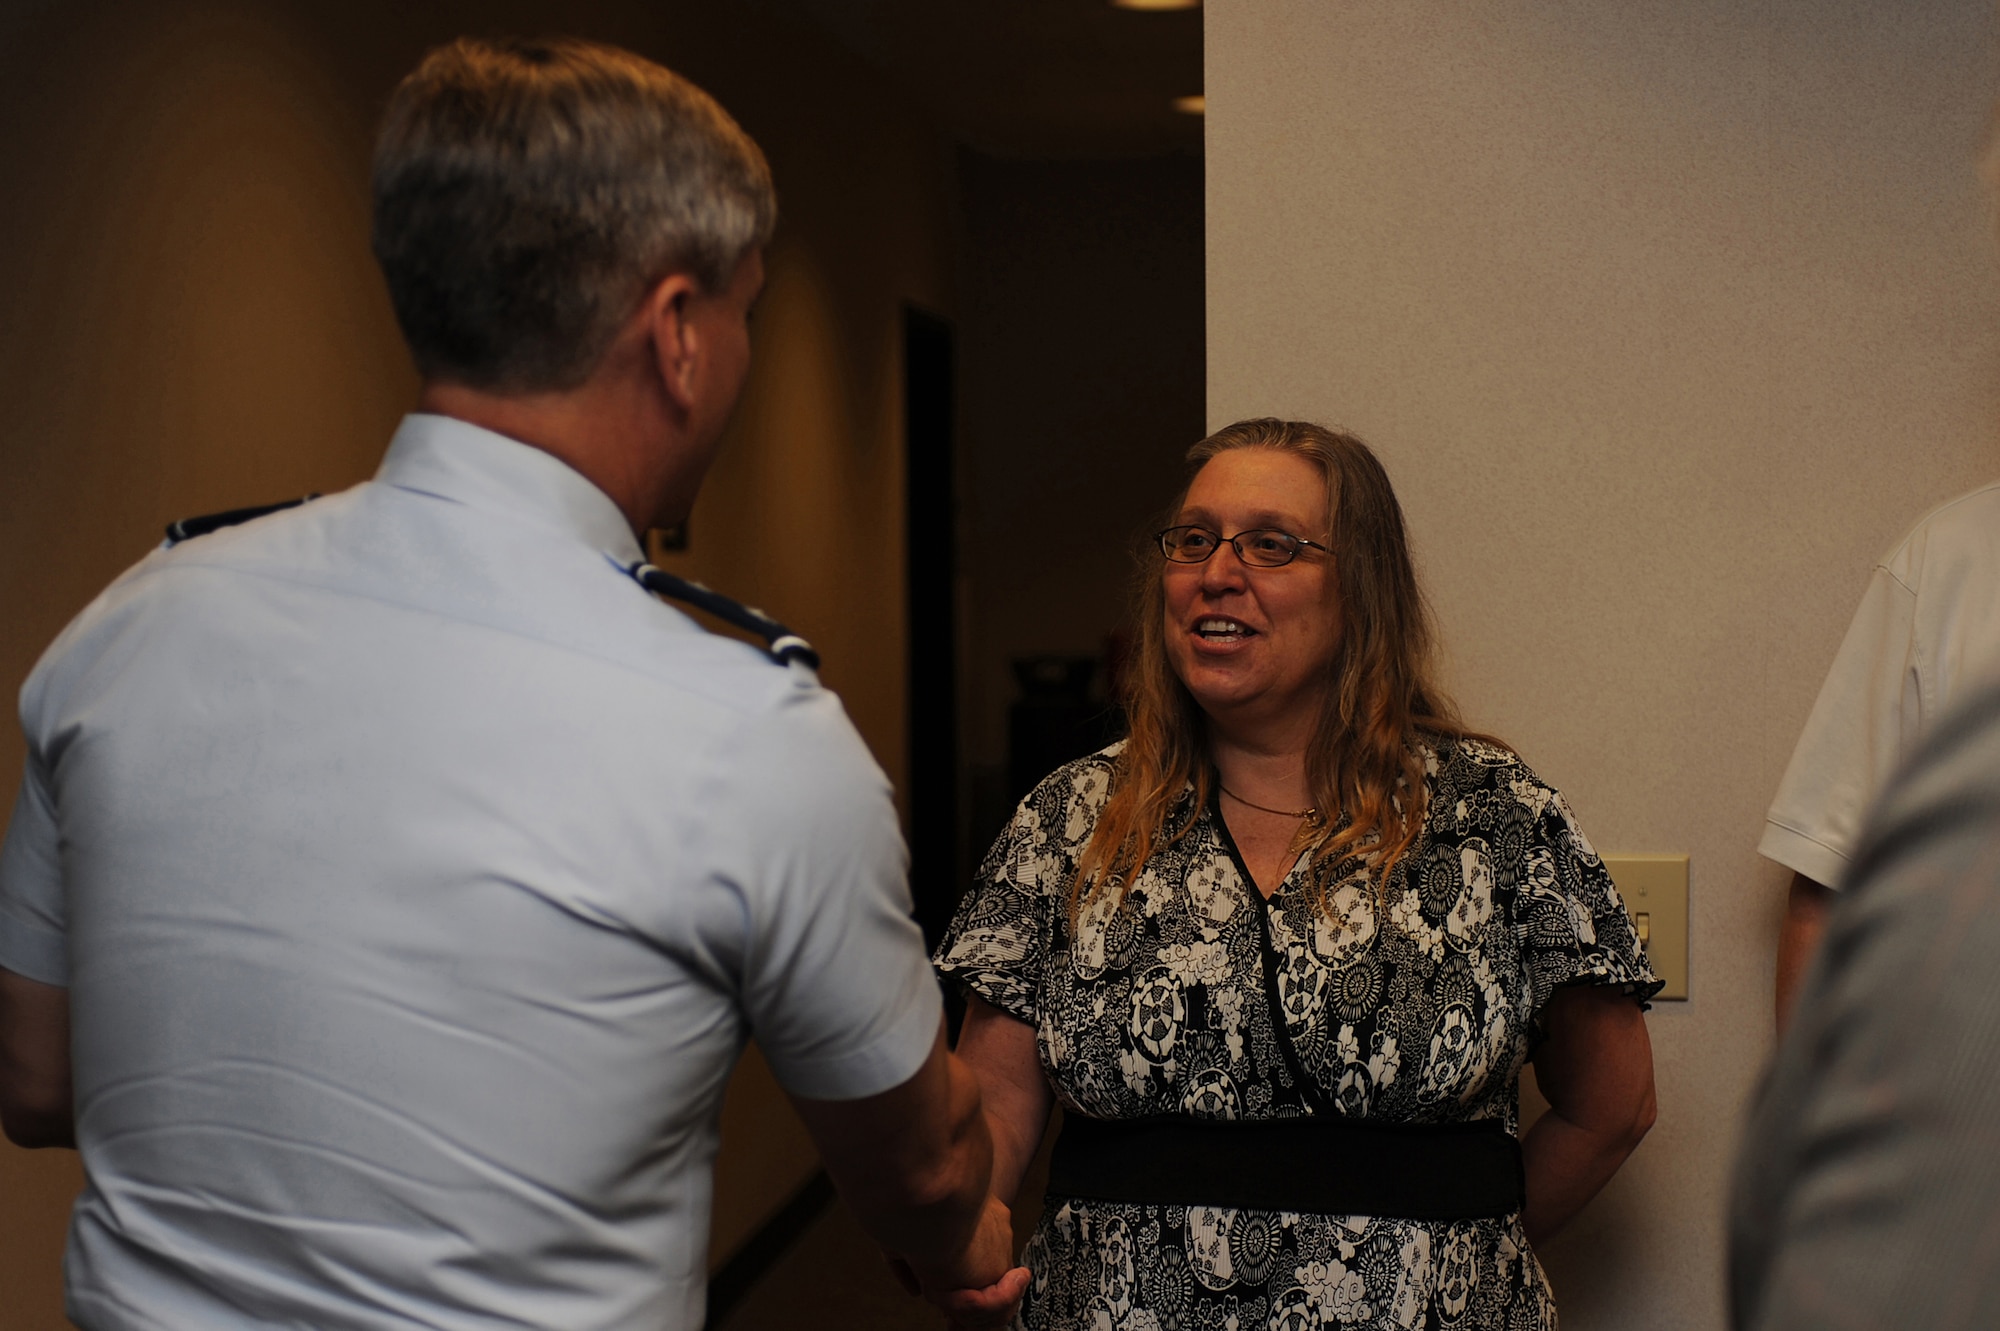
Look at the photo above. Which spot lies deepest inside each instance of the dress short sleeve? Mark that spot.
(33, 912)
(1000, 938)
(1575, 926)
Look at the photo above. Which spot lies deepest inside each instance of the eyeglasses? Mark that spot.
(1263, 548)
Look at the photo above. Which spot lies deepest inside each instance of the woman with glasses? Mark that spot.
(1282, 953)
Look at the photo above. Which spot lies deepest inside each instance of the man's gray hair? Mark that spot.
(529, 193)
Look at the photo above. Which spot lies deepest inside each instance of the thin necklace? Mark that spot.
(1311, 815)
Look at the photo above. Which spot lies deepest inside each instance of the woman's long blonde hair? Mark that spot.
(1366, 766)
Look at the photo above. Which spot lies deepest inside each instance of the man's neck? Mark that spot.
(605, 444)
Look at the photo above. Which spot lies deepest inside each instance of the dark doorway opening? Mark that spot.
(931, 563)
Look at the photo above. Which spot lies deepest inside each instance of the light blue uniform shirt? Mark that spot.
(417, 879)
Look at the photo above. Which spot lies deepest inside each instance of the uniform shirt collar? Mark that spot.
(466, 464)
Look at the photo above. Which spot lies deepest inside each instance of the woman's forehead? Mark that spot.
(1251, 487)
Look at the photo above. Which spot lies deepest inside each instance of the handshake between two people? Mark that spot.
(983, 1287)
(915, 1165)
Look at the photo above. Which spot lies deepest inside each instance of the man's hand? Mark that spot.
(982, 1287)
(991, 1305)
(914, 1163)
(982, 1309)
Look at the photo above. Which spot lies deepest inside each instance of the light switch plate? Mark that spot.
(1655, 888)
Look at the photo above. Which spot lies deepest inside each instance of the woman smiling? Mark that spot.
(1282, 953)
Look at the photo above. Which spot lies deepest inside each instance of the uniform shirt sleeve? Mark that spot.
(1578, 930)
(1865, 720)
(835, 983)
(33, 918)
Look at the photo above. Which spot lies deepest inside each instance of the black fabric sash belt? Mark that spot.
(1326, 1165)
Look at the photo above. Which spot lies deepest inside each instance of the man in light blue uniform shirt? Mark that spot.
(394, 881)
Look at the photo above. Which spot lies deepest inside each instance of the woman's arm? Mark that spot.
(1595, 1068)
(1001, 1051)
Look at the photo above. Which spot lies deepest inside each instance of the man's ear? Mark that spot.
(675, 339)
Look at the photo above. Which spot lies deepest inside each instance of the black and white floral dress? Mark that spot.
(1169, 1005)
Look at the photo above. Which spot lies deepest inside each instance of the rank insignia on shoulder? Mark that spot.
(783, 645)
(189, 528)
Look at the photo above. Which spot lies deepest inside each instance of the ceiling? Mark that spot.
(1043, 79)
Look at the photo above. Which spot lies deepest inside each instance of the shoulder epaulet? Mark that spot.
(188, 528)
(783, 645)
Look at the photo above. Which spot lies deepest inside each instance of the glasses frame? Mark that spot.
(1234, 543)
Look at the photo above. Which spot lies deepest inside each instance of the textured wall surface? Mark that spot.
(190, 320)
(1667, 317)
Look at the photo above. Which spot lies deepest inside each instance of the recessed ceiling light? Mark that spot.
(1156, 4)
(1194, 106)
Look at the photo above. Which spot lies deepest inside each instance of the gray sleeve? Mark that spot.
(1865, 1189)
(33, 918)
(838, 992)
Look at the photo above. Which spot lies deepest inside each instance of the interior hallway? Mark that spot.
(1665, 315)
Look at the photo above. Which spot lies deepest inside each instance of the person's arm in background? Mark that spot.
(914, 1163)
(36, 1108)
(1806, 906)
(1868, 713)
(1595, 1068)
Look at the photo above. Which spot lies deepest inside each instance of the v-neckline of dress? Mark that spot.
(1316, 1100)
(1228, 839)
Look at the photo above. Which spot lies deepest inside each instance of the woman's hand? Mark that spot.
(1595, 1068)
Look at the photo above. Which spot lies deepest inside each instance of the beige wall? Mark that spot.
(1667, 316)
(189, 320)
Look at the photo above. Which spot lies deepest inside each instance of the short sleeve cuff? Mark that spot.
(1639, 983)
(1008, 992)
(1802, 854)
(885, 1062)
(31, 951)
